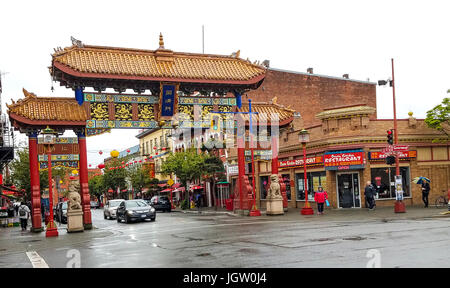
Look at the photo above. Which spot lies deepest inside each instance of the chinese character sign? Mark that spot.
(168, 100)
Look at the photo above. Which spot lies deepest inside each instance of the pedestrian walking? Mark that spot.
(425, 192)
(320, 197)
(369, 193)
(24, 214)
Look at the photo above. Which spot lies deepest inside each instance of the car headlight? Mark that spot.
(130, 212)
(152, 209)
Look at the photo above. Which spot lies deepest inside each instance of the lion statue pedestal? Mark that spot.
(274, 200)
(74, 209)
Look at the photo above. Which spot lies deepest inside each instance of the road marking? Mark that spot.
(36, 260)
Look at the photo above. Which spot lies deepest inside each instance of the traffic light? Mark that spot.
(390, 137)
(390, 160)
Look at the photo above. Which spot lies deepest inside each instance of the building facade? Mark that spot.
(347, 149)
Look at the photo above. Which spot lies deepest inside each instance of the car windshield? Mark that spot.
(134, 204)
(64, 206)
(114, 203)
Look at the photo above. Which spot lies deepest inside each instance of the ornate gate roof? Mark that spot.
(114, 64)
(42, 111)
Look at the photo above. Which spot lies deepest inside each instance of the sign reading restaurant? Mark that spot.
(382, 155)
(344, 160)
(299, 162)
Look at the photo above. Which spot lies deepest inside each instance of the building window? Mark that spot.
(264, 186)
(314, 180)
(287, 182)
(383, 179)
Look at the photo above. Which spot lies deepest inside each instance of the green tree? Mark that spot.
(115, 178)
(187, 165)
(20, 173)
(140, 178)
(213, 168)
(439, 117)
(97, 186)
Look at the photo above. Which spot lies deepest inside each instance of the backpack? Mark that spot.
(22, 212)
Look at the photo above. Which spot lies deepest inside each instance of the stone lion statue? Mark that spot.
(274, 190)
(74, 196)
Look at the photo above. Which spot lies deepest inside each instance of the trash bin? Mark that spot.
(229, 204)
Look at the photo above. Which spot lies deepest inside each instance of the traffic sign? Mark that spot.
(170, 182)
(401, 147)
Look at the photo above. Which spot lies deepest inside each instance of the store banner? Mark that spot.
(382, 155)
(344, 160)
(299, 162)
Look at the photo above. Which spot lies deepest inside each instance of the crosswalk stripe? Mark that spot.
(36, 260)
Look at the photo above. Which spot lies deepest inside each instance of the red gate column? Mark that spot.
(274, 153)
(84, 185)
(241, 170)
(36, 219)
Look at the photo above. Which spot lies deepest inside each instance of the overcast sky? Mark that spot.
(333, 37)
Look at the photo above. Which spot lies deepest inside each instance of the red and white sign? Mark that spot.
(299, 162)
(401, 148)
(344, 159)
(383, 155)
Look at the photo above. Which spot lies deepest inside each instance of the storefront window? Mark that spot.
(314, 179)
(383, 179)
(287, 182)
(264, 186)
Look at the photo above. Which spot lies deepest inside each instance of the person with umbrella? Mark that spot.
(425, 182)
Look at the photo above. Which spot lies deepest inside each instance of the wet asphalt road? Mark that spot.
(177, 240)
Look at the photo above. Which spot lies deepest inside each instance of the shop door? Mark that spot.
(348, 190)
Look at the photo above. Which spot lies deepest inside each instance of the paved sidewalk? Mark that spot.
(355, 214)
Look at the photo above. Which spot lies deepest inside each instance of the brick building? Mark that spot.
(340, 116)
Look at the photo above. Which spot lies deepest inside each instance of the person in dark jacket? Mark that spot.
(425, 192)
(369, 193)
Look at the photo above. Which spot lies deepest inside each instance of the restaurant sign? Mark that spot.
(344, 160)
(402, 154)
(299, 162)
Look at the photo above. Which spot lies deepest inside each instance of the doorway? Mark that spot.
(348, 190)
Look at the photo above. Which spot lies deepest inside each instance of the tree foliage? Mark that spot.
(187, 165)
(20, 173)
(115, 178)
(439, 117)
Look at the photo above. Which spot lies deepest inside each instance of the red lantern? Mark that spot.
(123, 162)
(90, 165)
(100, 152)
(156, 153)
(135, 162)
(140, 161)
(164, 149)
(154, 148)
(151, 157)
(128, 150)
(101, 166)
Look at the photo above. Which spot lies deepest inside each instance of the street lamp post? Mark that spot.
(49, 141)
(304, 138)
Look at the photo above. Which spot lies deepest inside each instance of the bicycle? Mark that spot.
(441, 201)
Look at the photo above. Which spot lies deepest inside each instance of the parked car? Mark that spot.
(135, 210)
(110, 209)
(161, 203)
(95, 204)
(61, 212)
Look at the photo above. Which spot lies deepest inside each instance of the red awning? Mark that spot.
(197, 187)
(162, 185)
(176, 185)
(166, 190)
(180, 189)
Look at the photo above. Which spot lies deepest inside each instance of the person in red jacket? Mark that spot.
(320, 197)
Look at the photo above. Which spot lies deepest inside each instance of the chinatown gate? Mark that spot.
(186, 83)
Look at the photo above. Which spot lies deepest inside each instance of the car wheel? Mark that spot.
(104, 216)
(127, 220)
(118, 219)
(152, 219)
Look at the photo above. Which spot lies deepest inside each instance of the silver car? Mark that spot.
(110, 209)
